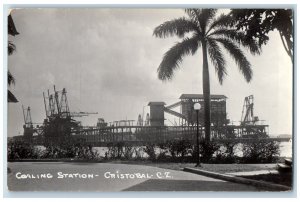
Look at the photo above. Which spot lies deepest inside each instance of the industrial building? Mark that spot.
(187, 112)
(59, 125)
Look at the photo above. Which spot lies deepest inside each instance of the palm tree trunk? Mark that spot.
(206, 93)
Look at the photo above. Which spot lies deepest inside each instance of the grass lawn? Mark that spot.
(220, 168)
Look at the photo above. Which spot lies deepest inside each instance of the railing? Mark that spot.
(152, 134)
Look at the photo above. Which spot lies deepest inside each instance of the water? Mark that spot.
(286, 149)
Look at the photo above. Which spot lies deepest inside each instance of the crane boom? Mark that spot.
(80, 114)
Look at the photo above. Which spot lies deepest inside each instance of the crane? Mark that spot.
(248, 111)
(59, 123)
(27, 117)
(56, 105)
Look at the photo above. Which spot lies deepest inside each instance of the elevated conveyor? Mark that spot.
(174, 113)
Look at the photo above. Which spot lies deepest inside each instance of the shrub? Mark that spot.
(115, 150)
(150, 151)
(179, 148)
(225, 153)
(261, 151)
(111, 153)
(207, 149)
(182, 147)
(21, 150)
(163, 150)
(271, 152)
(128, 152)
(87, 153)
(138, 153)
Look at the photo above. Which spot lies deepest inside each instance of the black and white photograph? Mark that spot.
(122, 99)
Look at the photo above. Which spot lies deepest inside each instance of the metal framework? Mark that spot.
(248, 111)
(27, 117)
(28, 125)
(141, 135)
(59, 126)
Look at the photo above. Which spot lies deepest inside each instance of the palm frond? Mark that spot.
(193, 15)
(205, 16)
(174, 56)
(240, 38)
(178, 27)
(221, 21)
(10, 78)
(11, 48)
(201, 17)
(239, 57)
(217, 59)
(11, 97)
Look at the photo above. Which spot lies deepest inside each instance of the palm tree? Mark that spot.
(207, 30)
(10, 78)
(10, 49)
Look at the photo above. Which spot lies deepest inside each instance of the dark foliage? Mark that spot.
(10, 78)
(226, 154)
(150, 151)
(21, 150)
(163, 151)
(261, 151)
(207, 149)
(257, 23)
(179, 148)
(10, 49)
(115, 150)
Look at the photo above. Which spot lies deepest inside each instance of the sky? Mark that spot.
(107, 60)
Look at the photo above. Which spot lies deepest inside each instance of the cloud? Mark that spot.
(107, 60)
